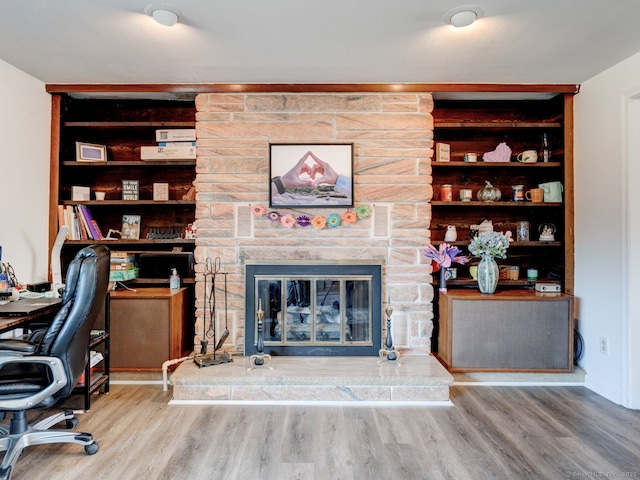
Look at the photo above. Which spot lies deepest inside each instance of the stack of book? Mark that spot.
(81, 223)
(173, 144)
(123, 266)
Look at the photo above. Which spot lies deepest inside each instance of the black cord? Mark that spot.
(578, 346)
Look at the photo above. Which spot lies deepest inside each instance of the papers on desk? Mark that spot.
(28, 294)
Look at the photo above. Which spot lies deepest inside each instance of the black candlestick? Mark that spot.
(258, 359)
(389, 352)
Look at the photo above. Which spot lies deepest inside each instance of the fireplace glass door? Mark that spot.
(315, 310)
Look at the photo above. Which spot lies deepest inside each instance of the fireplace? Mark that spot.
(314, 309)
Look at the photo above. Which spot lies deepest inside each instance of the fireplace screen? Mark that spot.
(308, 310)
(314, 309)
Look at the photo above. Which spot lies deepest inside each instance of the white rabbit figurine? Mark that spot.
(451, 235)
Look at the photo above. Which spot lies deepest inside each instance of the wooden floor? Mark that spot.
(489, 433)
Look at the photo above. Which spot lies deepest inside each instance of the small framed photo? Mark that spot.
(90, 152)
(160, 192)
(130, 227)
(311, 175)
(80, 194)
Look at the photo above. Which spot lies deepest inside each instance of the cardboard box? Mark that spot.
(167, 153)
(176, 135)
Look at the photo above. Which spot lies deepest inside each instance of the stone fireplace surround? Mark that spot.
(393, 147)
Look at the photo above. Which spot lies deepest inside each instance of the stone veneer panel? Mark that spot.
(393, 148)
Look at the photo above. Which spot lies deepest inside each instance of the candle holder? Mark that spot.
(260, 359)
(389, 352)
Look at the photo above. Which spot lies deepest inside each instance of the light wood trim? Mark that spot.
(569, 235)
(54, 173)
(186, 88)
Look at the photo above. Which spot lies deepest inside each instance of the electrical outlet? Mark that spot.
(604, 345)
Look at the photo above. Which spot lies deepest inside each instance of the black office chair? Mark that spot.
(38, 372)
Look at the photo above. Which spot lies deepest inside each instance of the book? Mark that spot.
(130, 227)
(84, 229)
(130, 189)
(91, 223)
(167, 153)
(176, 135)
(97, 228)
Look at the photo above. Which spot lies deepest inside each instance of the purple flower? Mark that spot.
(445, 255)
(303, 221)
(274, 216)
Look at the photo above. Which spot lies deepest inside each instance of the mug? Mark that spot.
(528, 156)
(535, 195)
(465, 194)
(470, 157)
(552, 191)
(473, 271)
(517, 193)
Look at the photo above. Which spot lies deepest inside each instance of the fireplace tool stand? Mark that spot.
(260, 359)
(389, 352)
(204, 359)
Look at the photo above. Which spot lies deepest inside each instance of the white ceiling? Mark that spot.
(305, 41)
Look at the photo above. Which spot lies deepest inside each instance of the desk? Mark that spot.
(9, 321)
(510, 330)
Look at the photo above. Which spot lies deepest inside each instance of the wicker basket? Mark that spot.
(509, 272)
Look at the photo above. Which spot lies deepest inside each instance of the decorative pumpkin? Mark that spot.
(489, 193)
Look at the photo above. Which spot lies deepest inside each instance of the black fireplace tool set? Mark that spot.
(204, 359)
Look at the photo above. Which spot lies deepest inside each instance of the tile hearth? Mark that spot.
(414, 379)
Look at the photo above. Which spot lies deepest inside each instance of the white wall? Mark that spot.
(603, 272)
(25, 114)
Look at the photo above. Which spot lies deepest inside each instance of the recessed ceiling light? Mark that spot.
(463, 16)
(163, 14)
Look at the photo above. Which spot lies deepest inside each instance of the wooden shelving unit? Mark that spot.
(478, 126)
(123, 125)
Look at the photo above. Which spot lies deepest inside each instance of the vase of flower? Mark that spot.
(489, 246)
(444, 256)
(487, 274)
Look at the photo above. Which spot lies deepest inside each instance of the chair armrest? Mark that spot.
(58, 380)
(21, 346)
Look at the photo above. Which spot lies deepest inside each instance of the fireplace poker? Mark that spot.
(225, 334)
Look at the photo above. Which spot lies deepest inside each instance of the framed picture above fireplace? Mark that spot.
(310, 175)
